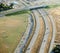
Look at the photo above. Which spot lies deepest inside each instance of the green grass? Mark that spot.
(20, 12)
(11, 30)
(53, 6)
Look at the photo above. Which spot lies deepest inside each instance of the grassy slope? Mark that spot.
(11, 30)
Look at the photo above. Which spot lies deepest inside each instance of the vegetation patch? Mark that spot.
(19, 12)
(11, 30)
(52, 6)
(56, 49)
(4, 7)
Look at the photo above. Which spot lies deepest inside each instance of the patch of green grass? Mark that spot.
(52, 6)
(20, 12)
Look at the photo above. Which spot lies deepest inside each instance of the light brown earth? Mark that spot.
(55, 12)
(11, 30)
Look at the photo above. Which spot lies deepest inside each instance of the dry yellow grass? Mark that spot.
(55, 11)
(11, 30)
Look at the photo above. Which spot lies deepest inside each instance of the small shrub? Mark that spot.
(4, 7)
(56, 49)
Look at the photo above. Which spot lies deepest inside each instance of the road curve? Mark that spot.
(40, 36)
(25, 37)
(45, 38)
(54, 33)
(49, 45)
(36, 32)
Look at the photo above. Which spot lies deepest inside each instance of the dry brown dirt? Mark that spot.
(55, 12)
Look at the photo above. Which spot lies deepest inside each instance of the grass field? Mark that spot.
(11, 30)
